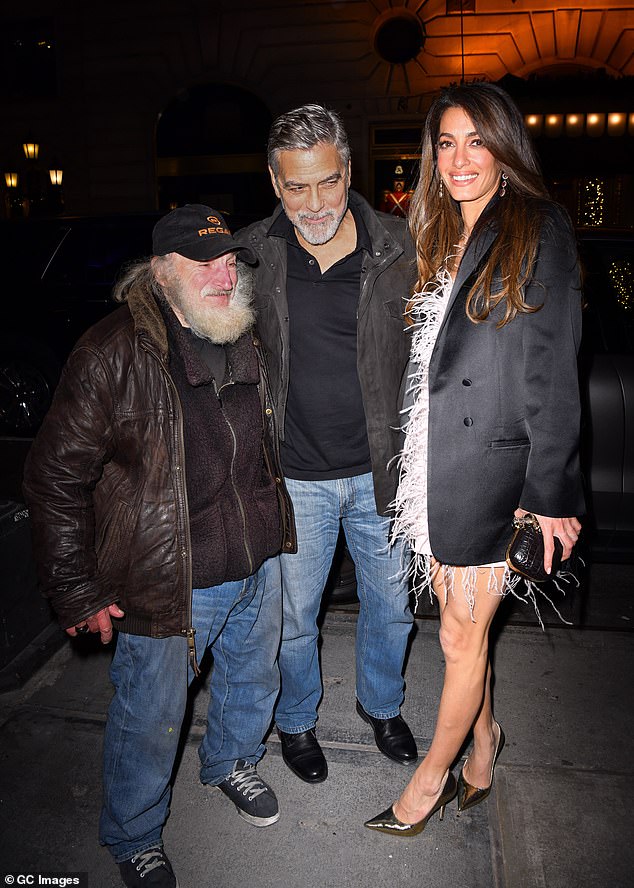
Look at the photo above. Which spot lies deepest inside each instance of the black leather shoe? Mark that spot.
(392, 736)
(302, 753)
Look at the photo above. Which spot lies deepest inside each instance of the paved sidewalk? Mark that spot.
(557, 817)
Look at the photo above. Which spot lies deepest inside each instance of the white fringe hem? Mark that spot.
(419, 575)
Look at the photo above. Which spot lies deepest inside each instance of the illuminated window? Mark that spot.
(534, 124)
(574, 124)
(595, 124)
(553, 124)
(617, 123)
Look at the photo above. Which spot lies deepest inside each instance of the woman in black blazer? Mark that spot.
(491, 406)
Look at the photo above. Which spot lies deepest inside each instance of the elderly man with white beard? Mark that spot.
(157, 507)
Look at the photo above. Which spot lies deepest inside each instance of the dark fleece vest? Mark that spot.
(232, 502)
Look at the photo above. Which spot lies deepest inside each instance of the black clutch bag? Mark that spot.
(525, 552)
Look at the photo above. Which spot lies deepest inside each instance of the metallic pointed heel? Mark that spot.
(469, 795)
(388, 822)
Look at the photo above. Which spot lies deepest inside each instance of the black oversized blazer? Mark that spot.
(504, 410)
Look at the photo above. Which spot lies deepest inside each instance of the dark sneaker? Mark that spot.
(252, 796)
(148, 869)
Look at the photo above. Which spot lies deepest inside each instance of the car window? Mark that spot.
(608, 285)
(26, 248)
(94, 253)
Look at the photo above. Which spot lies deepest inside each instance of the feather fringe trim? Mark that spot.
(510, 583)
(410, 503)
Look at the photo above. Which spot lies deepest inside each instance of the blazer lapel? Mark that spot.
(474, 255)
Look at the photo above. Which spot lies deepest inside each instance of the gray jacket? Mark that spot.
(387, 279)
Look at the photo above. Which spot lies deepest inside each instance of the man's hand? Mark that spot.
(566, 529)
(99, 622)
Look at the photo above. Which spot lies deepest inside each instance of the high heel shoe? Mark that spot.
(469, 795)
(388, 822)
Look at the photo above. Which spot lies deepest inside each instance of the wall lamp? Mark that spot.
(31, 149)
(35, 188)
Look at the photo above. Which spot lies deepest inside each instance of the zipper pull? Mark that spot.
(191, 649)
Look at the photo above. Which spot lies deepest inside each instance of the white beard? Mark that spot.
(219, 324)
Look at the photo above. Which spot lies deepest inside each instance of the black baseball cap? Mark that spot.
(196, 232)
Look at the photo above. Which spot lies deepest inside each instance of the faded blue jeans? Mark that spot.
(385, 617)
(240, 621)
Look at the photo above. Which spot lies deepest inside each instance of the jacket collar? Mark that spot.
(473, 255)
(486, 231)
(485, 234)
(148, 319)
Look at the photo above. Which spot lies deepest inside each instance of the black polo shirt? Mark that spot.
(325, 431)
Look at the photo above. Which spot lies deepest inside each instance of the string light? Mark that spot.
(622, 277)
(593, 202)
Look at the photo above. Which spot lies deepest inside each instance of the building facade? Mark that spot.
(145, 105)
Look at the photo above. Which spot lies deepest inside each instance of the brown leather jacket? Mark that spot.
(105, 479)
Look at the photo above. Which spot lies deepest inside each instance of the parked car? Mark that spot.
(58, 274)
(607, 385)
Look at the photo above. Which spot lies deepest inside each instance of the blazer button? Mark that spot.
(466, 381)
(468, 421)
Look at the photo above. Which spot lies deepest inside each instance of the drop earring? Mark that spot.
(503, 184)
(440, 190)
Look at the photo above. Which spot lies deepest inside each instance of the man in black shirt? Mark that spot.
(331, 283)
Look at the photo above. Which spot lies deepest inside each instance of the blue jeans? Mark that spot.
(241, 623)
(385, 617)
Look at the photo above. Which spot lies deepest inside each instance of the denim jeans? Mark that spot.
(385, 617)
(241, 623)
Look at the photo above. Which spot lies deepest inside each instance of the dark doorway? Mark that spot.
(211, 149)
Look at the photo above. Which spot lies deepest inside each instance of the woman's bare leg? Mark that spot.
(477, 769)
(465, 701)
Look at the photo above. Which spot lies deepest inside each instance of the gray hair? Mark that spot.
(302, 129)
(137, 274)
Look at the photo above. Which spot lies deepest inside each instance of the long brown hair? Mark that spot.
(435, 220)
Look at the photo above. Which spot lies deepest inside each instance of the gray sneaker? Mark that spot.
(252, 796)
(148, 869)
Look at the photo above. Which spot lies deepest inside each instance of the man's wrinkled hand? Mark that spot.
(100, 622)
